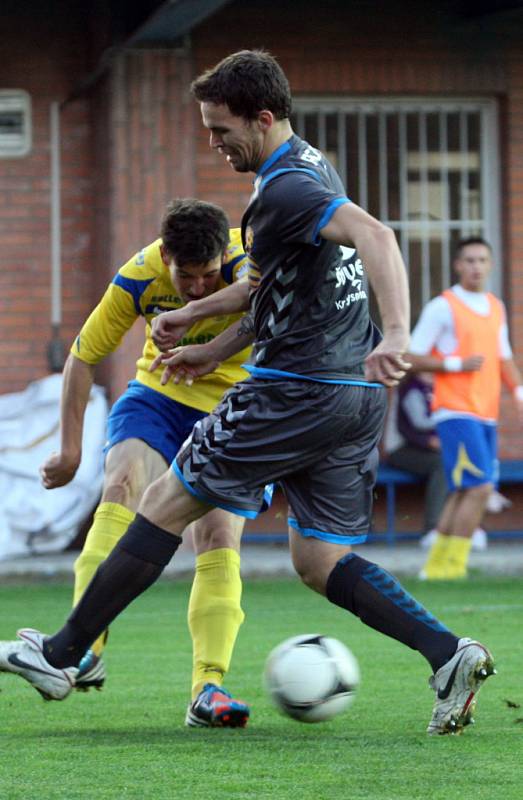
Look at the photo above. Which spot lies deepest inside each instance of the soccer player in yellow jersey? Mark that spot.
(195, 258)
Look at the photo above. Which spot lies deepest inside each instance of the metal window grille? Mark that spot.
(428, 168)
(15, 123)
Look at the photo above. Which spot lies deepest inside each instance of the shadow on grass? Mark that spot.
(268, 736)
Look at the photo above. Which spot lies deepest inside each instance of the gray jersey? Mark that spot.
(310, 311)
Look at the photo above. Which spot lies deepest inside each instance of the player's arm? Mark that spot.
(168, 328)
(510, 374)
(448, 364)
(192, 361)
(350, 225)
(100, 335)
(60, 468)
(436, 320)
(511, 377)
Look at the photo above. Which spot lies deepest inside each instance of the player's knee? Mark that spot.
(124, 489)
(168, 505)
(215, 538)
(480, 493)
(310, 573)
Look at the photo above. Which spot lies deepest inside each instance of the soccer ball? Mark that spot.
(312, 678)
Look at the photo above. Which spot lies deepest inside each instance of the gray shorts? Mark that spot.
(318, 440)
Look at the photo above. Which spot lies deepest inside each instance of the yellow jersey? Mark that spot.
(143, 288)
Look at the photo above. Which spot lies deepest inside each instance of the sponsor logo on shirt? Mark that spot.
(350, 273)
(150, 309)
(165, 298)
(350, 298)
(200, 338)
(311, 155)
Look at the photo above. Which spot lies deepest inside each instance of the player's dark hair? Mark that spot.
(248, 82)
(467, 241)
(193, 231)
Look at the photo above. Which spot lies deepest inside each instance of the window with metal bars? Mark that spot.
(427, 168)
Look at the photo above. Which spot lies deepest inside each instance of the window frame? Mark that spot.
(489, 165)
(16, 100)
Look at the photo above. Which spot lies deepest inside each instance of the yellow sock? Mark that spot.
(111, 520)
(214, 615)
(458, 556)
(435, 567)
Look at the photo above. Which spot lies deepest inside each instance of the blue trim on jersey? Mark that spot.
(133, 287)
(283, 148)
(327, 216)
(333, 538)
(274, 374)
(283, 170)
(240, 512)
(227, 269)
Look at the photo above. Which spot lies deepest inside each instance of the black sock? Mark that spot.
(379, 600)
(136, 562)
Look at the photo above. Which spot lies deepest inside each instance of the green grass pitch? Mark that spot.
(129, 741)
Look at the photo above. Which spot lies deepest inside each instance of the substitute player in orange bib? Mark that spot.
(462, 337)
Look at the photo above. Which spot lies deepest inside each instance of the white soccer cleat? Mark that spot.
(26, 658)
(456, 684)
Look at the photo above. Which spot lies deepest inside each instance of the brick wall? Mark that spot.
(44, 56)
(148, 135)
(127, 147)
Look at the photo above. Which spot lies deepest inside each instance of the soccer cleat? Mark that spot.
(456, 684)
(26, 658)
(91, 673)
(216, 708)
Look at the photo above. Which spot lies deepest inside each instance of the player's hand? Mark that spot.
(185, 364)
(58, 470)
(169, 328)
(472, 363)
(386, 363)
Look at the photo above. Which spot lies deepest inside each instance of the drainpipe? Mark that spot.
(55, 348)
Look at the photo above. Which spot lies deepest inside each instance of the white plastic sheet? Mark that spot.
(33, 519)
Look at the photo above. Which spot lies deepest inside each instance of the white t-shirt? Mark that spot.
(435, 327)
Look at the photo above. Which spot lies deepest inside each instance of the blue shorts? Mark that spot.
(468, 448)
(142, 413)
(162, 423)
